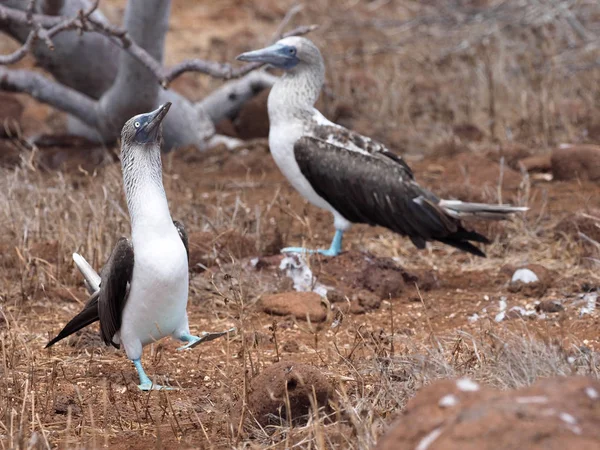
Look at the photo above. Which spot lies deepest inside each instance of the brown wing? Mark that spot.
(114, 288)
(376, 190)
(342, 137)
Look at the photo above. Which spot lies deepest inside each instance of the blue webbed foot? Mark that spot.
(193, 341)
(334, 250)
(328, 252)
(145, 382)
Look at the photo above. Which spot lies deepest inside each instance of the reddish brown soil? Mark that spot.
(392, 306)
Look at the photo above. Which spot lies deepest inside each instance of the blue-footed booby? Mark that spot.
(354, 177)
(141, 293)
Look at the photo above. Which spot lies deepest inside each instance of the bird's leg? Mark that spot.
(336, 245)
(334, 250)
(145, 382)
(193, 341)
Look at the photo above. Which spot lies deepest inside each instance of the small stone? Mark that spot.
(549, 306)
(525, 276)
(532, 280)
(291, 347)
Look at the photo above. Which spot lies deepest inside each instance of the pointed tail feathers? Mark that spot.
(87, 316)
(465, 210)
(92, 279)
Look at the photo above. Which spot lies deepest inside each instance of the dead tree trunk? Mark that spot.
(101, 86)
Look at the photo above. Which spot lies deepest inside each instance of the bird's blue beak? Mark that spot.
(151, 123)
(278, 55)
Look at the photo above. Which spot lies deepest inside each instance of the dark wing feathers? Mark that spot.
(184, 237)
(377, 189)
(115, 276)
(86, 317)
(107, 304)
(342, 137)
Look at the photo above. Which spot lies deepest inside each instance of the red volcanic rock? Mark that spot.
(553, 414)
(301, 305)
(576, 162)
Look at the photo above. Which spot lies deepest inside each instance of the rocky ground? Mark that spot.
(382, 347)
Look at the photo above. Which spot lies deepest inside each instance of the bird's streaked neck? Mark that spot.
(296, 92)
(144, 191)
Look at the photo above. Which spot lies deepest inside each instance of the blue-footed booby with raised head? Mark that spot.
(141, 293)
(354, 177)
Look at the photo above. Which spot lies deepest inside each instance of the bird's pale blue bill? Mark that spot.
(276, 55)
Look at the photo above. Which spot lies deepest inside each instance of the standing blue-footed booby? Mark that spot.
(142, 292)
(354, 177)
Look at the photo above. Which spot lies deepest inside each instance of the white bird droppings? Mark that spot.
(448, 401)
(474, 318)
(429, 439)
(567, 418)
(502, 308)
(295, 267)
(592, 393)
(590, 300)
(532, 399)
(467, 385)
(525, 276)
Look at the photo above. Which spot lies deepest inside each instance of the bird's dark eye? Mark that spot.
(292, 51)
(137, 124)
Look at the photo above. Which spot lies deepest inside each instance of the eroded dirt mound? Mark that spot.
(555, 413)
(576, 162)
(299, 382)
(354, 271)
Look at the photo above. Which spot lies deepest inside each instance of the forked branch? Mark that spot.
(45, 27)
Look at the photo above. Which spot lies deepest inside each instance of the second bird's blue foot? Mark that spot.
(193, 341)
(320, 251)
(334, 250)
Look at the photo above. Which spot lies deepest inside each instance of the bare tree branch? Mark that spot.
(50, 92)
(103, 88)
(84, 22)
(38, 32)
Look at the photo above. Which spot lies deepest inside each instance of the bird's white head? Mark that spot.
(287, 54)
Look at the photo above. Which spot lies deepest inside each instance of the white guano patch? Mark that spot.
(592, 393)
(474, 318)
(467, 385)
(295, 267)
(502, 310)
(535, 399)
(429, 439)
(590, 304)
(447, 401)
